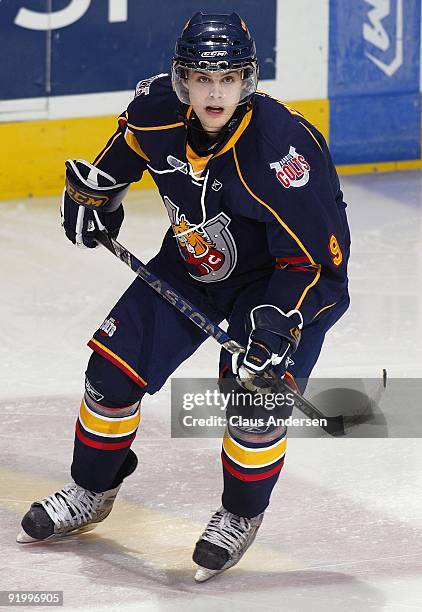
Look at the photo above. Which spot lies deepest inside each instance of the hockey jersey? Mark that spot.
(267, 202)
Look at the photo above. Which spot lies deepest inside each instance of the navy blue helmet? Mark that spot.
(215, 42)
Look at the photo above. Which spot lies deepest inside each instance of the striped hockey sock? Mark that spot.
(102, 440)
(251, 466)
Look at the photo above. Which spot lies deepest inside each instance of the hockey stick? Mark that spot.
(334, 425)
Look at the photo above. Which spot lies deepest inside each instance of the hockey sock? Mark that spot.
(251, 466)
(108, 420)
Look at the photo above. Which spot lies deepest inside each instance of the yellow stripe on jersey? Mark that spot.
(197, 162)
(291, 110)
(295, 112)
(104, 151)
(155, 127)
(305, 291)
(106, 426)
(253, 457)
(279, 219)
(134, 144)
(306, 128)
(322, 309)
(286, 227)
(316, 111)
(237, 133)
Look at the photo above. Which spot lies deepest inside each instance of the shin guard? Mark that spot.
(108, 420)
(251, 466)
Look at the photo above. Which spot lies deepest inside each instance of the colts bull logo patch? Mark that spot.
(292, 170)
(209, 251)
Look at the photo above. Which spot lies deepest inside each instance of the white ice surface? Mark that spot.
(343, 531)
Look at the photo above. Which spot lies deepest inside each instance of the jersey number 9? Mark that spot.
(335, 251)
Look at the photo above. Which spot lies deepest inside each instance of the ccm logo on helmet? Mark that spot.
(213, 53)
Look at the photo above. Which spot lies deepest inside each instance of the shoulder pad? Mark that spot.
(143, 88)
(155, 104)
(282, 123)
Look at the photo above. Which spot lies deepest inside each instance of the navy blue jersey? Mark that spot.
(267, 202)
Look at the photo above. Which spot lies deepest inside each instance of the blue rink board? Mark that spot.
(374, 80)
(93, 55)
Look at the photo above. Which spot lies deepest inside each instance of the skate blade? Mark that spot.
(203, 574)
(24, 538)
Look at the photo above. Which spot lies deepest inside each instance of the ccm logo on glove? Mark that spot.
(85, 198)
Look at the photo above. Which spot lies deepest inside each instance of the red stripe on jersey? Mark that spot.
(311, 269)
(292, 263)
(291, 260)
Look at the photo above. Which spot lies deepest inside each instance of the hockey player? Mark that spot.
(258, 236)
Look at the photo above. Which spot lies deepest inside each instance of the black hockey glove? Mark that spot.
(91, 202)
(81, 225)
(274, 337)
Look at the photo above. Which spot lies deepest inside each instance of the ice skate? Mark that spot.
(224, 542)
(71, 510)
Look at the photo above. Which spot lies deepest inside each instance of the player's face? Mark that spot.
(214, 97)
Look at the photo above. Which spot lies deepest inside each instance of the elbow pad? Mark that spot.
(93, 188)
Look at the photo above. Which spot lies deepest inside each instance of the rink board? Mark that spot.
(355, 74)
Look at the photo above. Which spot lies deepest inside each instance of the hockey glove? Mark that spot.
(274, 337)
(91, 202)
